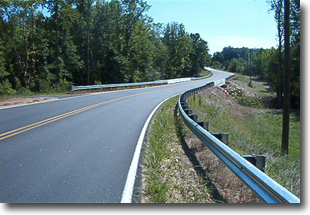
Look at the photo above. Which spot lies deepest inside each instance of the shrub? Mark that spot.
(23, 91)
(6, 88)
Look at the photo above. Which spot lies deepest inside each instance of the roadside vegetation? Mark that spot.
(254, 128)
(177, 167)
(47, 45)
(168, 175)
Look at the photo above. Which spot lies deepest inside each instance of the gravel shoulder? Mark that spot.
(14, 101)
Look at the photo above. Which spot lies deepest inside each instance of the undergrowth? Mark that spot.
(168, 175)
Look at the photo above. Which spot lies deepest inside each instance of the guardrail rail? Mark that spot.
(110, 86)
(264, 186)
(150, 83)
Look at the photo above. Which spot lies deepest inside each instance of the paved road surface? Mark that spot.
(76, 149)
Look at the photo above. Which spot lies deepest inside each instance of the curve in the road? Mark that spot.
(78, 149)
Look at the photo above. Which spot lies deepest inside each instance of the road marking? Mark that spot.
(131, 176)
(71, 113)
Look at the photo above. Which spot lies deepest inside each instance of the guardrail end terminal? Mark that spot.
(70, 88)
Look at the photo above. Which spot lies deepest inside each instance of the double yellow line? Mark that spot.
(53, 119)
(71, 113)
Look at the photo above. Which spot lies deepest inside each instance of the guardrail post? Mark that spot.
(261, 162)
(188, 111)
(257, 160)
(205, 125)
(222, 137)
(194, 117)
(185, 106)
(267, 189)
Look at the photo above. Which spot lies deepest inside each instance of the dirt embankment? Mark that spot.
(227, 186)
(8, 102)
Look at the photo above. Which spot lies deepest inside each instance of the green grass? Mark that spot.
(167, 171)
(250, 132)
(27, 93)
(258, 87)
(258, 134)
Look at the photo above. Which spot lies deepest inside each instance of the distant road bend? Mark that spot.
(78, 149)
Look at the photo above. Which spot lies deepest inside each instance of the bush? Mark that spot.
(45, 86)
(23, 91)
(60, 87)
(256, 102)
(250, 84)
(6, 88)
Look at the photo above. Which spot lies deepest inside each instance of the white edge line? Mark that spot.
(131, 176)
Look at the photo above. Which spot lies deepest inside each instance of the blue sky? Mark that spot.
(236, 23)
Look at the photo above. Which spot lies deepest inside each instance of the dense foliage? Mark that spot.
(47, 44)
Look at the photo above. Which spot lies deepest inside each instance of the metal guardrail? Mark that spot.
(109, 86)
(264, 186)
(150, 83)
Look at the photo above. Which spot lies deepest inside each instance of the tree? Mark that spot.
(159, 52)
(277, 7)
(235, 66)
(260, 63)
(179, 44)
(132, 13)
(85, 24)
(295, 53)
(287, 71)
(140, 53)
(46, 44)
(12, 17)
(199, 56)
(63, 59)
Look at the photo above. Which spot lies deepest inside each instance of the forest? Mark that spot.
(45, 45)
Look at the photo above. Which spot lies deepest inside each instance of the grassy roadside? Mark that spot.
(168, 174)
(252, 129)
(177, 167)
(30, 94)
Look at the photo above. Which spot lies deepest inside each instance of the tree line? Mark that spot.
(268, 64)
(45, 45)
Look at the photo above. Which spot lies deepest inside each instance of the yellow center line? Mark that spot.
(71, 113)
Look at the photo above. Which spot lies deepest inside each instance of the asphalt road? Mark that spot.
(77, 149)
